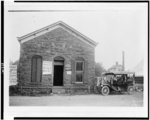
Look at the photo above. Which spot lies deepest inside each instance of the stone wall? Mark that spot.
(57, 42)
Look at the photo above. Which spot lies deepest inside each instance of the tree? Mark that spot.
(15, 62)
(99, 69)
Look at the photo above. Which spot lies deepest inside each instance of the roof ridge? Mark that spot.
(53, 25)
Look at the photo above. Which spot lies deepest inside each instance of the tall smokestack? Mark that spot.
(123, 64)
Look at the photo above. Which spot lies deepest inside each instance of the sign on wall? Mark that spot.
(69, 72)
(13, 74)
(47, 67)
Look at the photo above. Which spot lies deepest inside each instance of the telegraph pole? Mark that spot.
(123, 61)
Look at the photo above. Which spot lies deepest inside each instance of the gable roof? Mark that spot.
(53, 26)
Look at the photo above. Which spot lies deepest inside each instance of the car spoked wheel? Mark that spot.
(130, 90)
(105, 90)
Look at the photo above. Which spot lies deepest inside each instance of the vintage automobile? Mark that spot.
(116, 81)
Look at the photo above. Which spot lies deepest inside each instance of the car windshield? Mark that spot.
(130, 75)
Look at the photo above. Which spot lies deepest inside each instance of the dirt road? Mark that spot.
(79, 100)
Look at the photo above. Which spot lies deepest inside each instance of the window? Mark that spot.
(79, 66)
(36, 68)
(79, 71)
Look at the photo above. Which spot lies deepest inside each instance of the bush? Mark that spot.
(13, 90)
(99, 69)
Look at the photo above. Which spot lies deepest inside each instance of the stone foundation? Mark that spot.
(35, 90)
(53, 90)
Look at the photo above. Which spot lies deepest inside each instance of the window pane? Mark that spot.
(79, 66)
(79, 77)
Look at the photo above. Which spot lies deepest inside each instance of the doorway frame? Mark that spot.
(63, 70)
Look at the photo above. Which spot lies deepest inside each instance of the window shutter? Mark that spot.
(73, 71)
(85, 79)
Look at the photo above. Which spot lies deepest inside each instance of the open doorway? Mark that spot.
(58, 71)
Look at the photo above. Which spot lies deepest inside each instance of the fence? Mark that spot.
(139, 79)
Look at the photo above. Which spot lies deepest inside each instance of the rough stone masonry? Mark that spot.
(56, 59)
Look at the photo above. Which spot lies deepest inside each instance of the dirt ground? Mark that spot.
(135, 99)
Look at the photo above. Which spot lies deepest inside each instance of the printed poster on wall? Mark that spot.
(47, 67)
(13, 74)
(69, 72)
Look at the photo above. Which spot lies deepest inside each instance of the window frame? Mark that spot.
(79, 71)
(36, 57)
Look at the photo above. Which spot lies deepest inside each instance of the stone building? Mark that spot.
(57, 59)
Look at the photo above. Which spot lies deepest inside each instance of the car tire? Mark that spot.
(105, 90)
(130, 90)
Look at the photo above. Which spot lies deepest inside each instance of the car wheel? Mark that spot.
(130, 90)
(105, 90)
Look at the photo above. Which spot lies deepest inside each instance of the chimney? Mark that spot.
(123, 64)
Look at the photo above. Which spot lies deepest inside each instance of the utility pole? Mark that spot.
(123, 61)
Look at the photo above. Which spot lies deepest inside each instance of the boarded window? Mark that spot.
(36, 68)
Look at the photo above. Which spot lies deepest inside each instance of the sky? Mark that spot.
(116, 27)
